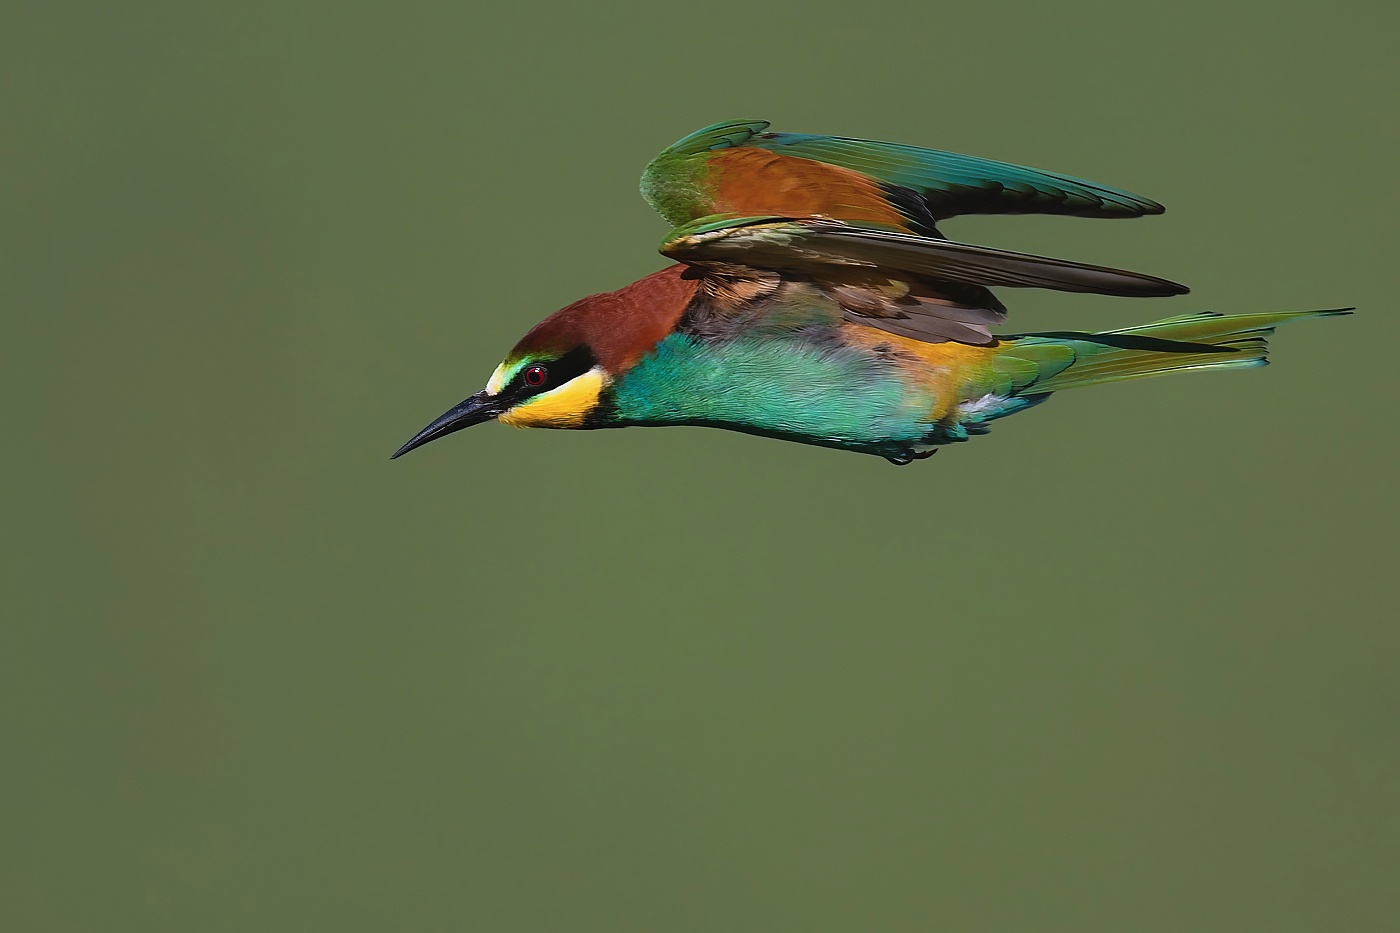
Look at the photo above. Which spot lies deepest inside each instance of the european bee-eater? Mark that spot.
(815, 300)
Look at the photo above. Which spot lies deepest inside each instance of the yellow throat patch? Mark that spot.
(564, 407)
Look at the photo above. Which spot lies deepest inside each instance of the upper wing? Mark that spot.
(917, 286)
(736, 168)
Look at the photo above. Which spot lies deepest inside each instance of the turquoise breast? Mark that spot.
(821, 392)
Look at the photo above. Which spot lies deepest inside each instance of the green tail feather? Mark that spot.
(1032, 364)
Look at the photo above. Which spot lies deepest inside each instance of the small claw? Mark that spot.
(906, 459)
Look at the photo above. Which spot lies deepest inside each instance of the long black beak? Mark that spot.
(480, 407)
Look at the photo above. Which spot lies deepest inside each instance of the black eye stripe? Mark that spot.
(556, 372)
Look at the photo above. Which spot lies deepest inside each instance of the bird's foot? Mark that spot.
(906, 459)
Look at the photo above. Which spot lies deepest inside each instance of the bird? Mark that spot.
(812, 297)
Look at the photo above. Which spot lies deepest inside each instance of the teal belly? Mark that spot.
(827, 394)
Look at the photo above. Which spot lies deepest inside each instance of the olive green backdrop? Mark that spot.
(1129, 663)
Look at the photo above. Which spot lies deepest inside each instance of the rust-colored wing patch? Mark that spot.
(756, 181)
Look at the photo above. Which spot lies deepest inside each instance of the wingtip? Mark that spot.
(1125, 207)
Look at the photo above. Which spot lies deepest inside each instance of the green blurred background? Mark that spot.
(1129, 663)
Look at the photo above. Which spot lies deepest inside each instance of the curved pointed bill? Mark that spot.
(483, 406)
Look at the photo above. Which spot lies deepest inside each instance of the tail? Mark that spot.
(1036, 364)
(1027, 368)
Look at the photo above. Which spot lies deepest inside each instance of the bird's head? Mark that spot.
(558, 374)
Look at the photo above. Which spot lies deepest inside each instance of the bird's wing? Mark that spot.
(737, 168)
(896, 281)
(800, 244)
(859, 218)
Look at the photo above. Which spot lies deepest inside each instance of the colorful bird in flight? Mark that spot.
(814, 299)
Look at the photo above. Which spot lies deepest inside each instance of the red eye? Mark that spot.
(536, 375)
